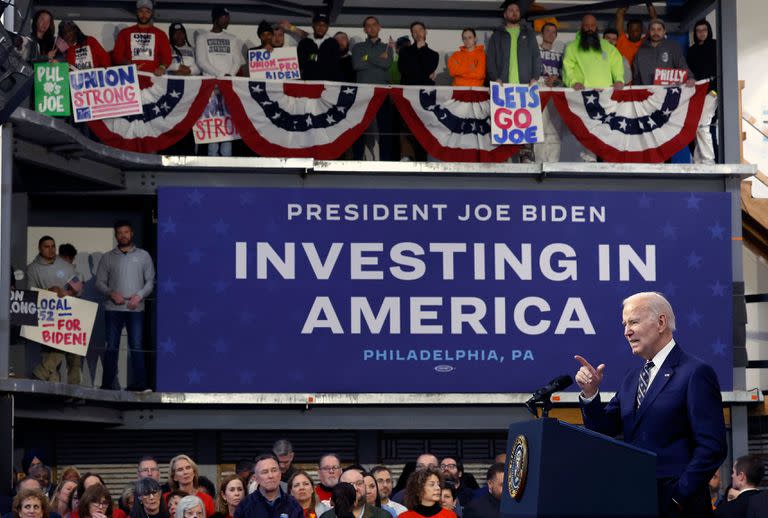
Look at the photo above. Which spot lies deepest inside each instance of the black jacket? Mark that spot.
(736, 508)
(485, 506)
(417, 64)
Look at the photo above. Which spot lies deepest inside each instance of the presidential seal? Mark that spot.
(517, 467)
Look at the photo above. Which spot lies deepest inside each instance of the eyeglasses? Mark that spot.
(104, 504)
(152, 494)
(330, 468)
(448, 466)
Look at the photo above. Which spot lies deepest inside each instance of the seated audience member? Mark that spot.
(190, 507)
(183, 60)
(302, 488)
(96, 502)
(127, 499)
(467, 65)
(423, 495)
(173, 498)
(612, 36)
(30, 503)
(448, 498)
(268, 499)
(149, 501)
(657, 52)
(328, 471)
(183, 475)
(488, 504)
(231, 493)
(746, 476)
(84, 52)
(60, 500)
(383, 476)
(143, 44)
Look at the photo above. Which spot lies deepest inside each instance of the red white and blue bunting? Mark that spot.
(311, 119)
(323, 120)
(635, 124)
(171, 108)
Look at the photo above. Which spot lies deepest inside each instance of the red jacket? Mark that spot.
(88, 55)
(145, 47)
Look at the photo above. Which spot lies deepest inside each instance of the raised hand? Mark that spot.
(589, 378)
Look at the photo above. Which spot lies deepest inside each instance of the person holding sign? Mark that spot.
(84, 52)
(660, 61)
(143, 44)
(50, 272)
(513, 56)
(671, 406)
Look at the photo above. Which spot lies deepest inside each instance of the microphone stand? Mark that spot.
(546, 406)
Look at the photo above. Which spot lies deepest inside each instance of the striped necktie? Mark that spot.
(645, 378)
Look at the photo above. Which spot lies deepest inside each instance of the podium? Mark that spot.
(555, 469)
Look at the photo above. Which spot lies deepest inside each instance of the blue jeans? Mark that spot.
(133, 321)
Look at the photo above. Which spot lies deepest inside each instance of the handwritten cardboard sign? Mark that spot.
(516, 114)
(64, 323)
(278, 64)
(215, 124)
(52, 89)
(105, 93)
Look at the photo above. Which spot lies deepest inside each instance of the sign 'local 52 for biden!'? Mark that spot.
(105, 93)
(516, 114)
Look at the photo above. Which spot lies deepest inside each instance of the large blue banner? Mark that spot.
(359, 290)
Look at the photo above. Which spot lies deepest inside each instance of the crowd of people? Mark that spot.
(513, 54)
(268, 486)
(271, 485)
(125, 277)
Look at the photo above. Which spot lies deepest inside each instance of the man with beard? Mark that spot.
(143, 44)
(453, 470)
(361, 508)
(658, 53)
(328, 470)
(592, 62)
(126, 276)
(629, 42)
(218, 52)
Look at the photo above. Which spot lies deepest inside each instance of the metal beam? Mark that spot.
(82, 168)
(728, 74)
(695, 10)
(334, 9)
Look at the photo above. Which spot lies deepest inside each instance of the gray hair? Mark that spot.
(145, 486)
(656, 304)
(282, 447)
(188, 502)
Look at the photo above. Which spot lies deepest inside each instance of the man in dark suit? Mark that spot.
(488, 504)
(745, 477)
(757, 507)
(671, 405)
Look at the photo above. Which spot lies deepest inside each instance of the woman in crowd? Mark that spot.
(190, 507)
(302, 488)
(43, 36)
(84, 52)
(183, 54)
(70, 473)
(422, 495)
(96, 502)
(88, 480)
(149, 501)
(448, 498)
(343, 497)
(60, 500)
(172, 499)
(127, 500)
(231, 493)
(372, 496)
(30, 503)
(183, 474)
(467, 65)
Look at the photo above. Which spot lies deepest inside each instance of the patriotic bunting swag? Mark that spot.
(317, 120)
(323, 120)
(171, 108)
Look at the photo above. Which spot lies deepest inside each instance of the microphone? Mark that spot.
(556, 385)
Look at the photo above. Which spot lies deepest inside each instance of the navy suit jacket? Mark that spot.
(681, 420)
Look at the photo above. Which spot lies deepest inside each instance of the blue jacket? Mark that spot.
(256, 506)
(681, 420)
